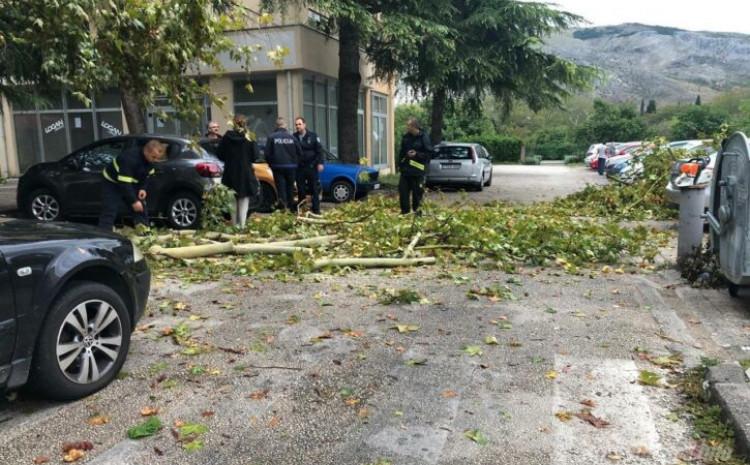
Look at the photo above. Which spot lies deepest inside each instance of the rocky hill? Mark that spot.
(653, 62)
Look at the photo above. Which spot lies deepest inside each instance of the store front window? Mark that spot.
(258, 103)
(320, 109)
(379, 130)
(59, 123)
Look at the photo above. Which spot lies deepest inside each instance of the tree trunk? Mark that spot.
(135, 116)
(437, 116)
(349, 82)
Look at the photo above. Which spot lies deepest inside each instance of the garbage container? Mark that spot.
(729, 212)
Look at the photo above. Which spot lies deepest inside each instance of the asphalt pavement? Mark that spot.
(317, 371)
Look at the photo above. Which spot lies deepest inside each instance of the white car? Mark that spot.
(680, 179)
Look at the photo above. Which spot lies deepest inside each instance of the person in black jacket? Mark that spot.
(124, 183)
(413, 159)
(238, 152)
(283, 152)
(310, 164)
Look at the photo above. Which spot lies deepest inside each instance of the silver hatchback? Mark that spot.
(460, 164)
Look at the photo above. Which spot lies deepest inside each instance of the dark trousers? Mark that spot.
(284, 179)
(410, 185)
(113, 204)
(601, 164)
(308, 183)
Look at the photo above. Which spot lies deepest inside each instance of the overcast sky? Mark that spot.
(693, 15)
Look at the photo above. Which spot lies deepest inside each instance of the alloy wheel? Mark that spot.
(184, 212)
(89, 341)
(45, 207)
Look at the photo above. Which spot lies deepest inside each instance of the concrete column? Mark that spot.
(8, 162)
(222, 86)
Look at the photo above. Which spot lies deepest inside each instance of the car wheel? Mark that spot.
(43, 205)
(342, 191)
(267, 198)
(489, 181)
(83, 343)
(479, 187)
(183, 211)
(734, 290)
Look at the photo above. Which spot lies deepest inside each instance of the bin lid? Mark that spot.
(729, 205)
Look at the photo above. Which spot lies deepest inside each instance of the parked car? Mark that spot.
(71, 187)
(268, 194)
(342, 182)
(460, 164)
(70, 296)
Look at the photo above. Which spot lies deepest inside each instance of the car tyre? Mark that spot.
(73, 360)
(479, 187)
(183, 210)
(488, 183)
(342, 191)
(734, 290)
(44, 205)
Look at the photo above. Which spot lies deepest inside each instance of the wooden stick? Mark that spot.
(379, 262)
(267, 248)
(193, 251)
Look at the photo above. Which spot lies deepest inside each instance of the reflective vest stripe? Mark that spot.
(127, 179)
(107, 177)
(416, 164)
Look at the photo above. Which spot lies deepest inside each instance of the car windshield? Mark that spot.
(453, 153)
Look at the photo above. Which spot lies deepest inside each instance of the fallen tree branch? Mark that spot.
(267, 248)
(206, 250)
(378, 262)
(410, 248)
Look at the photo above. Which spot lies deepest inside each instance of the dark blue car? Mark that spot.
(342, 182)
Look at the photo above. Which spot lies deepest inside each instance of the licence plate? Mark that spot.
(376, 186)
(450, 166)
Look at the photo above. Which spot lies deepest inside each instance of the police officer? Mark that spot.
(283, 153)
(311, 163)
(124, 183)
(412, 161)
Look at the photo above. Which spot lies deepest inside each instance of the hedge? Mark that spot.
(502, 149)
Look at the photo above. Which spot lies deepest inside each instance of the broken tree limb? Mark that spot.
(378, 262)
(193, 251)
(410, 248)
(318, 240)
(267, 248)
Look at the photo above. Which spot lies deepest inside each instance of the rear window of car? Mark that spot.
(453, 153)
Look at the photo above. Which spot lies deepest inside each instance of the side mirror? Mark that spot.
(72, 163)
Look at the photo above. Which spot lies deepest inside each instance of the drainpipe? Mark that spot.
(290, 107)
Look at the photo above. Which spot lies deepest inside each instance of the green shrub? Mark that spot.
(502, 149)
(573, 159)
(533, 160)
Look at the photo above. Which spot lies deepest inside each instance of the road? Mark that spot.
(316, 371)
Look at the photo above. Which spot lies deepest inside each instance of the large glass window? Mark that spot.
(59, 123)
(260, 106)
(320, 109)
(379, 104)
(361, 125)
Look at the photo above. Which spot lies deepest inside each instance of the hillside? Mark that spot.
(653, 62)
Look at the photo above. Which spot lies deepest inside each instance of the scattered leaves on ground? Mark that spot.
(145, 429)
(476, 436)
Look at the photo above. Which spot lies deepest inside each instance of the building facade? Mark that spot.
(304, 84)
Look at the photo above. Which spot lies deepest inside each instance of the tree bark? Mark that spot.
(135, 116)
(349, 83)
(437, 115)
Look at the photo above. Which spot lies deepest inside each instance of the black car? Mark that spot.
(70, 296)
(71, 187)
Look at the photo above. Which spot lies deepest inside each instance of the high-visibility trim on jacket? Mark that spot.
(416, 164)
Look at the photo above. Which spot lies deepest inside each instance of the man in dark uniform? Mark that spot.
(124, 183)
(311, 163)
(413, 159)
(283, 153)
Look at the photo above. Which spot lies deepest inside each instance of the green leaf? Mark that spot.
(406, 328)
(193, 446)
(476, 436)
(192, 429)
(490, 340)
(649, 378)
(473, 351)
(145, 429)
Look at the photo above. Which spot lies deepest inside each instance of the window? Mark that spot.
(453, 153)
(320, 108)
(98, 157)
(60, 123)
(361, 124)
(379, 156)
(260, 106)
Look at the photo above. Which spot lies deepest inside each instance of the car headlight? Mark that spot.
(137, 254)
